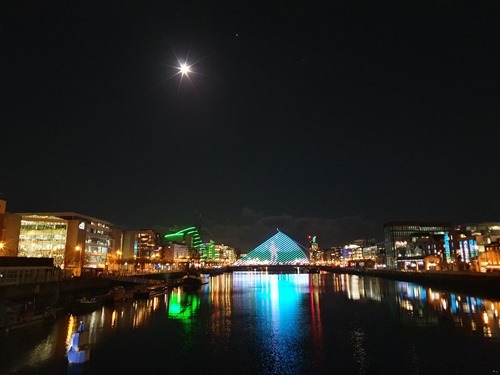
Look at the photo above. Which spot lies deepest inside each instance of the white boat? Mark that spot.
(85, 305)
(79, 346)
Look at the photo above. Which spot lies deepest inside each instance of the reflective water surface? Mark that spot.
(259, 323)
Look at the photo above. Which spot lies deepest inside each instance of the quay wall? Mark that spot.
(54, 289)
(65, 289)
(480, 284)
(485, 285)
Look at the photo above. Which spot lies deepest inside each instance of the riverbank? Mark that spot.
(14, 319)
(482, 284)
(22, 305)
(29, 304)
(486, 285)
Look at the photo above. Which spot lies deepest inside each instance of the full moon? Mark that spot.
(185, 69)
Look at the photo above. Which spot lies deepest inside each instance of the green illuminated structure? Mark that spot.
(277, 250)
(188, 236)
(207, 252)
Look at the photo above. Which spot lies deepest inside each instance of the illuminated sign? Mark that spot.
(473, 249)
(81, 225)
(447, 247)
(466, 251)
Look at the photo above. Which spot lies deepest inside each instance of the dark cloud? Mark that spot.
(255, 228)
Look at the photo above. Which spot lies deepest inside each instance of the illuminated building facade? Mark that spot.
(277, 250)
(177, 255)
(99, 239)
(181, 254)
(214, 252)
(334, 255)
(215, 255)
(485, 233)
(3, 205)
(188, 238)
(315, 254)
(408, 243)
(226, 254)
(351, 252)
(210, 254)
(74, 241)
(9, 231)
(43, 236)
(479, 246)
(142, 249)
(148, 244)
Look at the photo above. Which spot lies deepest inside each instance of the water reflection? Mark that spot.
(264, 323)
(48, 343)
(183, 306)
(416, 305)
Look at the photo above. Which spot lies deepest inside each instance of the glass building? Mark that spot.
(73, 240)
(43, 237)
(405, 241)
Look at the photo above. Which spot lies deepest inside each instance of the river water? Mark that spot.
(260, 323)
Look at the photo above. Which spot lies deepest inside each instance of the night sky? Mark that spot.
(327, 118)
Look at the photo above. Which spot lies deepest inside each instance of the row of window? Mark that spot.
(28, 276)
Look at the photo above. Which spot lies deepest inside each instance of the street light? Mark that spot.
(78, 249)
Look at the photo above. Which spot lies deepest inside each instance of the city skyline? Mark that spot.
(317, 119)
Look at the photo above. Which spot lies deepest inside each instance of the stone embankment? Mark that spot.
(68, 289)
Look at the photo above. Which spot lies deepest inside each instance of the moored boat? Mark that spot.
(115, 295)
(85, 305)
(19, 316)
(149, 291)
(195, 280)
